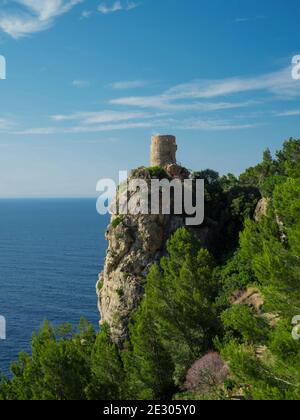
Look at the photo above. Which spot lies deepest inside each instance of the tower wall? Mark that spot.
(163, 150)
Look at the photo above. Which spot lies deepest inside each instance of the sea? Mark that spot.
(51, 252)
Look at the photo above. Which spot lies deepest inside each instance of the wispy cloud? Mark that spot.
(185, 106)
(153, 124)
(93, 122)
(37, 131)
(194, 95)
(291, 113)
(108, 116)
(81, 83)
(117, 6)
(86, 14)
(124, 85)
(30, 16)
(250, 19)
(79, 129)
(213, 125)
(168, 104)
(6, 124)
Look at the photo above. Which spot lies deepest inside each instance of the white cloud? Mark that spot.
(81, 83)
(186, 96)
(109, 127)
(30, 16)
(6, 124)
(108, 116)
(93, 122)
(3, 123)
(155, 124)
(213, 125)
(133, 84)
(105, 9)
(79, 129)
(117, 6)
(292, 113)
(166, 103)
(86, 14)
(185, 106)
(38, 131)
(249, 19)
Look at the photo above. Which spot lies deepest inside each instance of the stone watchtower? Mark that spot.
(163, 150)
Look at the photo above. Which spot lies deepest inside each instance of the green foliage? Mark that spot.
(107, 374)
(120, 292)
(286, 200)
(180, 303)
(148, 365)
(271, 172)
(58, 369)
(100, 284)
(242, 321)
(227, 203)
(66, 365)
(157, 172)
(116, 222)
(187, 309)
(289, 158)
(258, 175)
(235, 275)
(258, 345)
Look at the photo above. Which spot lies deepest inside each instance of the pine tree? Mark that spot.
(107, 373)
(148, 364)
(180, 302)
(259, 347)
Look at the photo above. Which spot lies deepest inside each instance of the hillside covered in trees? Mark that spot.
(214, 323)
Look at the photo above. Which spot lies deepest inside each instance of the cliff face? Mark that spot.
(261, 209)
(134, 245)
(135, 242)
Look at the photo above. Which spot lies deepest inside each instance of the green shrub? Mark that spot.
(120, 292)
(157, 172)
(116, 222)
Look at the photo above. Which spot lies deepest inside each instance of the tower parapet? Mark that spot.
(163, 150)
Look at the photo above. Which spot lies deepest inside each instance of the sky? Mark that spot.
(88, 82)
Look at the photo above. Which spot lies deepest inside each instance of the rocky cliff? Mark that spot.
(135, 242)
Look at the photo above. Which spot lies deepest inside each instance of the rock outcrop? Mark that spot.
(261, 209)
(135, 243)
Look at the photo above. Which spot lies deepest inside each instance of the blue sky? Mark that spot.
(88, 83)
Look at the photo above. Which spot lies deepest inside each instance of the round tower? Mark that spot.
(163, 150)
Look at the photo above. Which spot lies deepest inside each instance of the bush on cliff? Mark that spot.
(228, 201)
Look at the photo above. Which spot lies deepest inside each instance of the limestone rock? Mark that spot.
(135, 243)
(250, 296)
(261, 209)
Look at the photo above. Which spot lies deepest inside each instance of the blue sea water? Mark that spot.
(51, 252)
